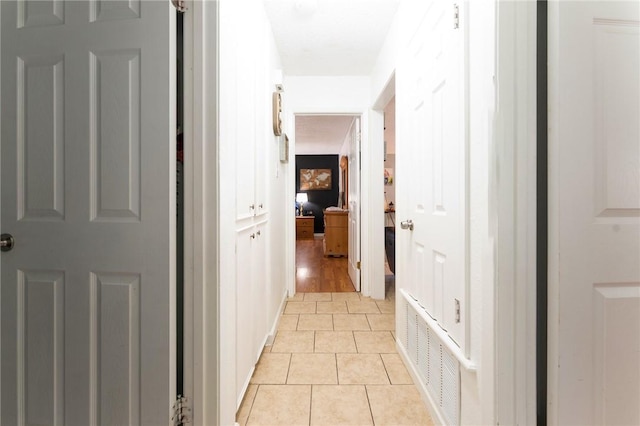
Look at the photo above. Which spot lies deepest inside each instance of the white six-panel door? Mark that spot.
(431, 142)
(88, 192)
(594, 140)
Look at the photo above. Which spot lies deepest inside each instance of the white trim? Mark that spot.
(372, 202)
(274, 328)
(201, 372)
(375, 271)
(513, 213)
(553, 256)
(366, 239)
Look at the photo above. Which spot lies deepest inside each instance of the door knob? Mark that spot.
(6, 242)
(407, 224)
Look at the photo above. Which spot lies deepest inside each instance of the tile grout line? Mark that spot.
(366, 391)
(286, 380)
(386, 370)
(310, 403)
(251, 406)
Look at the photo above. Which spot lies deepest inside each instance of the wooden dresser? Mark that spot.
(304, 227)
(336, 233)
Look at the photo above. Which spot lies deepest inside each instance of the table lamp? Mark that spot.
(301, 197)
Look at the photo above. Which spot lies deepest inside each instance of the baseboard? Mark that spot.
(274, 329)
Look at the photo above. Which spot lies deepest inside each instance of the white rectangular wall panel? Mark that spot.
(40, 138)
(115, 348)
(41, 347)
(115, 135)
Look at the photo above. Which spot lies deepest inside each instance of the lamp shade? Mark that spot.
(301, 197)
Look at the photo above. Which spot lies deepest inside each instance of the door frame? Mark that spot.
(510, 388)
(508, 321)
(369, 241)
(513, 216)
(201, 224)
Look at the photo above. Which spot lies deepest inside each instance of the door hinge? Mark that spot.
(457, 310)
(180, 5)
(358, 265)
(181, 411)
(456, 16)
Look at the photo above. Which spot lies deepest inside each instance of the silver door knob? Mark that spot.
(407, 224)
(6, 242)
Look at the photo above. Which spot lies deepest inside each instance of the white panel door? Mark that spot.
(354, 203)
(432, 148)
(88, 192)
(594, 141)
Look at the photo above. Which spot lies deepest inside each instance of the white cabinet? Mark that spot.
(253, 99)
(251, 311)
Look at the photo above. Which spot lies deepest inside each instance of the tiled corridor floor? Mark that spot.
(333, 362)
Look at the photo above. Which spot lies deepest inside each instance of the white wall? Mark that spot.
(259, 45)
(276, 191)
(347, 95)
(324, 94)
(477, 396)
(477, 388)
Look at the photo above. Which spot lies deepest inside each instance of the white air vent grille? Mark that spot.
(437, 367)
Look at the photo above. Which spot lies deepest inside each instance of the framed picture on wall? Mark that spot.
(315, 179)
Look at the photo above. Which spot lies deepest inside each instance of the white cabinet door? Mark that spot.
(251, 113)
(431, 148)
(251, 317)
(245, 314)
(245, 116)
(88, 192)
(594, 142)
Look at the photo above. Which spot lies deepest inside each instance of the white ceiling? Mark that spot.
(321, 134)
(329, 38)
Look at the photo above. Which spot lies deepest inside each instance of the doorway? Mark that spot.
(389, 158)
(324, 225)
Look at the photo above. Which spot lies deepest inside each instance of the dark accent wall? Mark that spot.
(319, 199)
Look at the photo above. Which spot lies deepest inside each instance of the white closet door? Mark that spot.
(88, 193)
(432, 151)
(594, 75)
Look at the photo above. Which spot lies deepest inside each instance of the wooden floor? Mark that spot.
(317, 273)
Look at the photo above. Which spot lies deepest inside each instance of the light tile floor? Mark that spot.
(333, 362)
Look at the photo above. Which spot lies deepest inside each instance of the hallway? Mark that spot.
(333, 362)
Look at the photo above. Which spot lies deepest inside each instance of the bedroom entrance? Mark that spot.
(326, 207)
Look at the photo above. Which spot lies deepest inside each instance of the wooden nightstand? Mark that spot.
(304, 227)
(336, 233)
